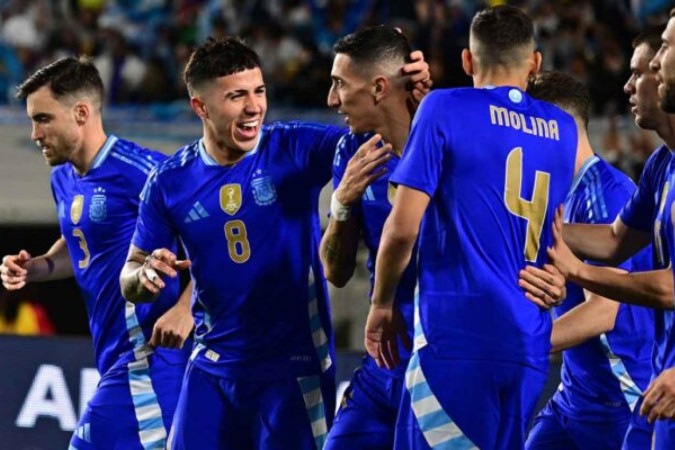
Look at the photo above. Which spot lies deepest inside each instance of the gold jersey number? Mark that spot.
(534, 211)
(84, 262)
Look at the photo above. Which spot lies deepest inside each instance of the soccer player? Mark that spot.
(654, 288)
(369, 89)
(96, 182)
(603, 377)
(488, 165)
(243, 200)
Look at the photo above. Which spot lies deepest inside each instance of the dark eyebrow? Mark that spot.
(39, 116)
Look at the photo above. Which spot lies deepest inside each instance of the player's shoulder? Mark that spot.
(294, 126)
(659, 157)
(350, 143)
(182, 159)
(135, 155)
(610, 175)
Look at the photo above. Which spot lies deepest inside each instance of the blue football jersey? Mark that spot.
(496, 163)
(252, 233)
(665, 341)
(645, 212)
(97, 214)
(372, 211)
(642, 210)
(603, 378)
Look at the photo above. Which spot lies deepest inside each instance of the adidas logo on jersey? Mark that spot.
(197, 212)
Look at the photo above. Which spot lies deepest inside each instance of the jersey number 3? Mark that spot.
(534, 211)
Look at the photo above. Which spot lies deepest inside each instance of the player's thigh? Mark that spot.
(664, 435)
(110, 420)
(449, 404)
(548, 432)
(291, 414)
(205, 418)
(368, 410)
(167, 378)
(520, 389)
(640, 432)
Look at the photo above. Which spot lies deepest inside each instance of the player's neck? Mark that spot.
(500, 77)
(666, 131)
(395, 131)
(584, 152)
(92, 143)
(221, 153)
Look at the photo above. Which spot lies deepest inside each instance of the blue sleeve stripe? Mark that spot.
(132, 154)
(145, 168)
(598, 202)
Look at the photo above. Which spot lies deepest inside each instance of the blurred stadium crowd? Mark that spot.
(141, 46)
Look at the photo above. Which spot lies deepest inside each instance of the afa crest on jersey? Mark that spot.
(97, 209)
(76, 209)
(264, 192)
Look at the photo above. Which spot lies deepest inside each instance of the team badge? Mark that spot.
(264, 192)
(97, 209)
(230, 198)
(391, 193)
(76, 209)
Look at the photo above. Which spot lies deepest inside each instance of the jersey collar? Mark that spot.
(103, 153)
(210, 161)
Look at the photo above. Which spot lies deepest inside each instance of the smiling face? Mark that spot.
(233, 108)
(642, 88)
(351, 93)
(55, 129)
(664, 64)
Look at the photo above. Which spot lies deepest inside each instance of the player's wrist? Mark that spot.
(338, 210)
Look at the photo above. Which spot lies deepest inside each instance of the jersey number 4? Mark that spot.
(533, 211)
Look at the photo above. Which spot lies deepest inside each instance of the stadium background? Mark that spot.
(140, 47)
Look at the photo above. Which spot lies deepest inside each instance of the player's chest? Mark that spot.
(96, 209)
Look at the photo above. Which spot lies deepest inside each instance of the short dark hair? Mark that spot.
(650, 36)
(375, 45)
(65, 77)
(563, 90)
(502, 32)
(218, 58)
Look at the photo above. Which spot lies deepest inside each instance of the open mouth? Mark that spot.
(249, 129)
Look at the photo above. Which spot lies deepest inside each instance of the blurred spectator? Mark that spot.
(141, 46)
(21, 316)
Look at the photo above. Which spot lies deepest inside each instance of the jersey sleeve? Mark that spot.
(340, 160)
(314, 149)
(638, 212)
(421, 164)
(603, 201)
(154, 227)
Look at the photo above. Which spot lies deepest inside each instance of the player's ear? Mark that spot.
(81, 111)
(467, 62)
(199, 107)
(380, 88)
(536, 64)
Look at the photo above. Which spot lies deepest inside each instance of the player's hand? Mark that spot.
(160, 263)
(173, 327)
(659, 398)
(13, 270)
(384, 326)
(362, 169)
(420, 77)
(543, 287)
(560, 254)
